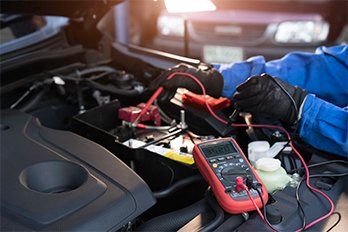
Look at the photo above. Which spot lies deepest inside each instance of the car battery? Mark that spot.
(103, 126)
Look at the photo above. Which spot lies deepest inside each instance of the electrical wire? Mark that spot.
(332, 206)
(164, 116)
(148, 104)
(288, 94)
(314, 176)
(264, 209)
(336, 223)
(328, 162)
(321, 164)
(191, 137)
(299, 205)
(329, 175)
(148, 127)
(265, 214)
(254, 203)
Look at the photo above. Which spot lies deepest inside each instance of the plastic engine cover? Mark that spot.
(56, 180)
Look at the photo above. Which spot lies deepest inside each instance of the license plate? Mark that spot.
(222, 54)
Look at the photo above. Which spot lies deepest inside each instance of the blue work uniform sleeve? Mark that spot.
(323, 73)
(236, 73)
(324, 125)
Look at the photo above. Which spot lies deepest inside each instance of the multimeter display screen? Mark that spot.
(222, 148)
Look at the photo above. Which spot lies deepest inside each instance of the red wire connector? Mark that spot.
(149, 103)
(239, 183)
(131, 113)
(199, 101)
(240, 186)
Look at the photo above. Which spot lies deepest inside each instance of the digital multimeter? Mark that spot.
(221, 161)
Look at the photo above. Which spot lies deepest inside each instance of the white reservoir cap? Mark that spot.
(259, 146)
(257, 150)
(267, 164)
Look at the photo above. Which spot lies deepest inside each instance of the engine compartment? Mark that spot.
(50, 175)
(88, 106)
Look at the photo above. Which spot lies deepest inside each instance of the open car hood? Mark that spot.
(68, 8)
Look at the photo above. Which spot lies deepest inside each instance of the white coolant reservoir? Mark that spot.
(272, 174)
(257, 150)
(261, 149)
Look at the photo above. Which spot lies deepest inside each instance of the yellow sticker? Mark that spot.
(187, 159)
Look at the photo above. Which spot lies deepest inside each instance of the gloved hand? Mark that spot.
(262, 95)
(211, 79)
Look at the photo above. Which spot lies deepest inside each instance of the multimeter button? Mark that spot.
(233, 194)
(215, 165)
(241, 160)
(212, 160)
(242, 194)
(221, 158)
(229, 157)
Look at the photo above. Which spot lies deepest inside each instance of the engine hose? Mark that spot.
(96, 69)
(110, 89)
(174, 220)
(219, 215)
(176, 186)
(33, 101)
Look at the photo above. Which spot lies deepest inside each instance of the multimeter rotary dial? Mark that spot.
(230, 173)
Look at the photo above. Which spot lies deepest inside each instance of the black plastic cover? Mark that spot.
(57, 180)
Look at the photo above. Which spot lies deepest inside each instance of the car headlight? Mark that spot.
(302, 32)
(170, 25)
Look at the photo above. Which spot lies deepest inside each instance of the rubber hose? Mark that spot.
(174, 220)
(128, 93)
(97, 69)
(107, 69)
(32, 102)
(219, 215)
(176, 186)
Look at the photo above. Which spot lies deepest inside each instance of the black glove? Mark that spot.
(211, 79)
(263, 95)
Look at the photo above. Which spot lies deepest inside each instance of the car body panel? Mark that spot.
(51, 28)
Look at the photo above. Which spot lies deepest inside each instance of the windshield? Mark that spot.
(16, 26)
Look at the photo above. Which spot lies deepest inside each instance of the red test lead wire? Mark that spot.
(332, 209)
(148, 104)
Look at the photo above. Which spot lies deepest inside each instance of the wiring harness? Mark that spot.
(213, 114)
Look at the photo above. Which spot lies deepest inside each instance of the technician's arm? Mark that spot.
(324, 125)
(324, 73)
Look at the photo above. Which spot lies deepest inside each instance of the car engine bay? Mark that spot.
(72, 159)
